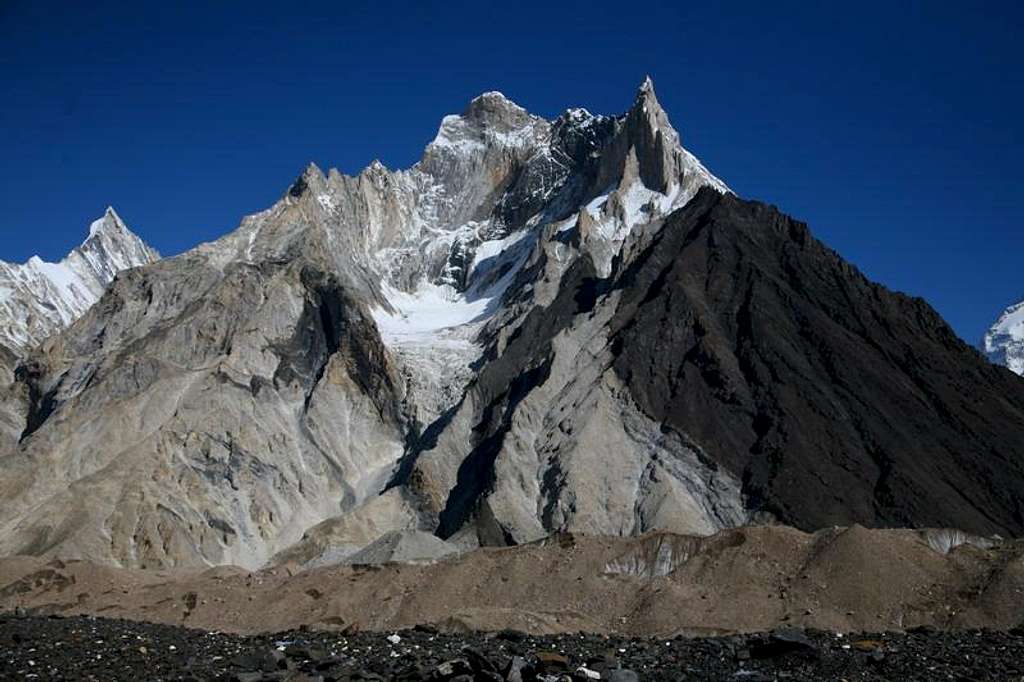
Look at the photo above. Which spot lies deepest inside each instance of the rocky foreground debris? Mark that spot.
(86, 648)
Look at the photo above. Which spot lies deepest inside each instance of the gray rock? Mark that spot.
(514, 670)
(248, 677)
(621, 675)
(403, 547)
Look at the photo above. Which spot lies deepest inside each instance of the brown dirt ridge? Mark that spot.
(751, 579)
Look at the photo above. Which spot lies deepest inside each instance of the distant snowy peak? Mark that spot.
(110, 248)
(1004, 341)
(38, 298)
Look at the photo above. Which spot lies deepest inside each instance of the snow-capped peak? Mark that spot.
(38, 298)
(647, 107)
(646, 97)
(493, 94)
(492, 98)
(490, 120)
(578, 114)
(1004, 341)
(110, 220)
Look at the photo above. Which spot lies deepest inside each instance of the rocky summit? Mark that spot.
(543, 326)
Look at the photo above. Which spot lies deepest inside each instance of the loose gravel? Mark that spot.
(87, 648)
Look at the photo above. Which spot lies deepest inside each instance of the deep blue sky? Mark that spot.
(895, 129)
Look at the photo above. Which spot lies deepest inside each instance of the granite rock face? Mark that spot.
(541, 326)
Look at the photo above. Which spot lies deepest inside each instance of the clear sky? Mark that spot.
(895, 129)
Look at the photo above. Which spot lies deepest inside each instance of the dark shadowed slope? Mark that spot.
(729, 368)
(835, 399)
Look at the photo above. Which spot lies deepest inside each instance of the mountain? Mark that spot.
(565, 325)
(39, 298)
(1004, 341)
